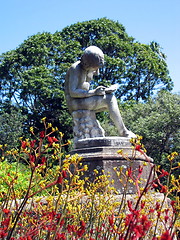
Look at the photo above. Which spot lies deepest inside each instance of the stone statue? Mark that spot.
(84, 103)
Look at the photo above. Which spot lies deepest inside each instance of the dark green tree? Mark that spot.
(31, 79)
(11, 127)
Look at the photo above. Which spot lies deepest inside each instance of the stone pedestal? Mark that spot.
(101, 154)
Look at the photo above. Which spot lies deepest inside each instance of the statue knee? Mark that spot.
(111, 98)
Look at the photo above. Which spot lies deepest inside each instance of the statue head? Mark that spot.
(93, 57)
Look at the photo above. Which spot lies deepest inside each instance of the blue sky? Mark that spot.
(145, 20)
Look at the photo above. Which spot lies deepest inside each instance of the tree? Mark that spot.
(158, 122)
(31, 79)
(11, 127)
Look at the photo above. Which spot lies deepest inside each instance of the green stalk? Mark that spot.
(16, 218)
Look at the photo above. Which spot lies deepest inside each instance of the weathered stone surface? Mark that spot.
(86, 125)
(101, 154)
(119, 142)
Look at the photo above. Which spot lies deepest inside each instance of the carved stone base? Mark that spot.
(101, 154)
(86, 125)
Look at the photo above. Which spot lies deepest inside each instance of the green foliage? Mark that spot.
(11, 126)
(158, 122)
(22, 173)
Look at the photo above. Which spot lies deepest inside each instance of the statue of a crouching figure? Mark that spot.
(84, 103)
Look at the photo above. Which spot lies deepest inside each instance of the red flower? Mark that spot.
(23, 144)
(143, 204)
(151, 210)
(71, 228)
(3, 234)
(61, 236)
(32, 143)
(154, 185)
(140, 169)
(64, 174)
(62, 222)
(6, 222)
(138, 230)
(6, 211)
(173, 203)
(32, 158)
(130, 205)
(29, 238)
(166, 236)
(163, 189)
(166, 218)
(163, 173)
(111, 220)
(60, 179)
(128, 219)
(138, 147)
(43, 160)
(145, 222)
(80, 232)
(129, 172)
(158, 214)
(42, 134)
(157, 206)
(83, 224)
(52, 139)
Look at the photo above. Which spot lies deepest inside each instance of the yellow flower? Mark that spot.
(53, 129)
(43, 119)
(38, 199)
(57, 168)
(85, 167)
(120, 151)
(15, 152)
(172, 156)
(61, 134)
(49, 199)
(69, 142)
(49, 125)
(31, 129)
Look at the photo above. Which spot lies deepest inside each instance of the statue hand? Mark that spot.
(100, 90)
(112, 88)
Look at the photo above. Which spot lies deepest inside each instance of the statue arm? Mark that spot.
(81, 93)
(76, 92)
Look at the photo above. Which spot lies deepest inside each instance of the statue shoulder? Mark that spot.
(74, 69)
(75, 65)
